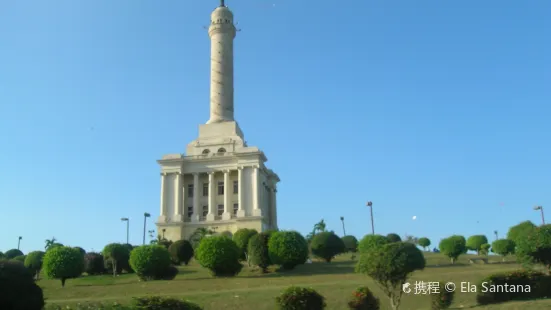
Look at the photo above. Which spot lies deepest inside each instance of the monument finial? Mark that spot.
(222, 3)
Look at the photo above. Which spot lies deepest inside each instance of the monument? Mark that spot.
(220, 183)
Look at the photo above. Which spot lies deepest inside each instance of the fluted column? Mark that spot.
(256, 192)
(162, 215)
(227, 196)
(212, 195)
(273, 208)
(240, 200)
(177, 198)
(196, 208)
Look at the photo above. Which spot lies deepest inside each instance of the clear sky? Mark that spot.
(438, 109)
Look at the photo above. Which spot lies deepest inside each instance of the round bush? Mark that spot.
(33, 262)
(18, 290)
(150, 261)
(326, 245)
(54, 245)
(181, 251)
(81, 250)
(300, 298)
(63, 263)
(115, 256)
(241, 239)
(156, 302)
(288, 249)
(392, 237)
(441, 300)
(220, 255)
(363, 299)
(94, 264)
(350, 243)
(371, 242)
(258, 251)
(13, 253)
(20, 258)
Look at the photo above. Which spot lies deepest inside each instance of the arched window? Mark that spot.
(221, 150)
(206, 151)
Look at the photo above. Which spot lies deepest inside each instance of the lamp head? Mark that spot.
(369, 204)
(146, 214)
(342, 218)
(124, 219)
(537, 208)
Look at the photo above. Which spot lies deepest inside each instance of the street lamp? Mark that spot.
(343, 230)
(125, 219)
(541, 210)
(164, 229)
(145, 216)
(495, 233)
(370, 205)
(19, 242)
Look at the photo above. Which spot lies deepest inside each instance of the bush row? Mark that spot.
(516, 285)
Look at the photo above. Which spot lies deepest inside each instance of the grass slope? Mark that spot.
(252, 290)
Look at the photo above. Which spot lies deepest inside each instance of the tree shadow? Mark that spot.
(315, 268)
(448, 265)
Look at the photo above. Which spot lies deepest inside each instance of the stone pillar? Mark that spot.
(240, 200)
(177, 217)
(196, 207)
(228, 189)
(256, 192)
(162, 215)
(212, 195)
(273, 209)
(183, 191)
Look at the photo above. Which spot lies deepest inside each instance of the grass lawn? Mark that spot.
(252, 290)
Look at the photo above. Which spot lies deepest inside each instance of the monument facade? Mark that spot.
(220, 183)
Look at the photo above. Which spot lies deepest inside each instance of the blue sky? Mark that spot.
(438, 109)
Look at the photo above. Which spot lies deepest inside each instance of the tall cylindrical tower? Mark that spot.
(221, 32)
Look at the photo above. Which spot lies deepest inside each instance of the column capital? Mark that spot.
(164, 174)
(240, 167)
(226, 171)
(211, 173)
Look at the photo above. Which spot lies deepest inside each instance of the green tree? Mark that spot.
(371, 242)
(220, 255)
(288, 249)
(475, 242)
(63, 263)
(320, 226)
(20, 258)
(116, 255)
(241, 238)
(198, 235)
(485, 249)
(390, 266)
(520, 231)
(326, 245)
(258, 251)
(150, 262)
(49, 243)
(18, 291)
(81, 250)
(503, 247)
(536, 247)
(350, 243)
(392, 237)
(13, 253)
(453, 247)
(181, 251)
(33, 262)
(424, 242)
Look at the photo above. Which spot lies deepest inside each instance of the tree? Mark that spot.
(49, 243)
(241, 239)
(198, 235)
(319, 226)
(220, 255)
(411, 239)
(536, 247)
(288, 249)
(116, 255)
(94, 263)
(503, 247)
(181, 251)
(520, 231)
(390, 266)
(33, 262)
(81, 250)
(453, 246)
(424, 242)
(371, 242)
(18, 291)
(150, 262)
(13, 253)
(63, 263)
(326, 245)
(392, 237)
(257, 250)
(485, 249)
(475, 242)
(350, 243)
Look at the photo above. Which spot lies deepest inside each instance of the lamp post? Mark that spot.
(541, 210)
(495, 233)
(164, 233)
(370, 205)
(145, 216)
(125, 219)
(19, 242)
(343, 230)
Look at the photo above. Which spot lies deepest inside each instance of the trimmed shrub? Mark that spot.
(474, 243)
(158, 303)
(241, 239)
(371, 242)
(453, 246)
(441, 300)
(63, 263)
(94, 264)
(535, 248)
(350, 243)
(485, 249)
(288, 249)
(220, 255)
(13, 253)
(18, 289)
(81, 250)
(392, 237)
(33, 262)
(300, 298)
(181, 251)
(258, 251)
(20, 258)
(363, 299)
(424, 242)
(54, 245)
(503, 247)
(526, 284)
(168, 274)
(326, 245)
(226, 234)
(150, 261)
(115, 256)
